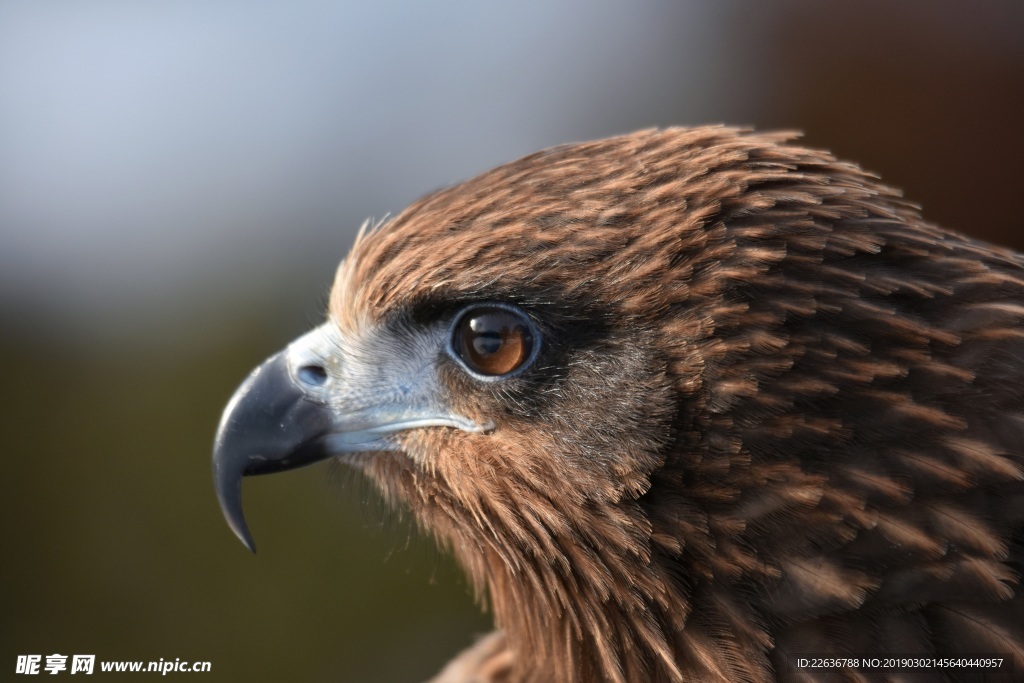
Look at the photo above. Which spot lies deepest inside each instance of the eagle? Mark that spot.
(688, 404)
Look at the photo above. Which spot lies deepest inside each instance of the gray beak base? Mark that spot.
(269, 425)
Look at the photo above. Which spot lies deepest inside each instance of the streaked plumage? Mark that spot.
(773, 411)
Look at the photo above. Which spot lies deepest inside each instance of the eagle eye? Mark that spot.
(494, 341)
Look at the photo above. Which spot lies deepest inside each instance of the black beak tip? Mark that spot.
(245, 537)
(229, 495)
(241, 529)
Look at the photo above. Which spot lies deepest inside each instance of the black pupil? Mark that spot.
(486, 343)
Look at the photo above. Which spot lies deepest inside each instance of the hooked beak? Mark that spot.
(316, 399)
(269, 425)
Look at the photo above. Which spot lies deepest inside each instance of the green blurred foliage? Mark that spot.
(114, 544)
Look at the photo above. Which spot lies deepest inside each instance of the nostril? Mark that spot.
(313, 375)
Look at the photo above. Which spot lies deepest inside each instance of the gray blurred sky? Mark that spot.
(162, 160)
(153, 153)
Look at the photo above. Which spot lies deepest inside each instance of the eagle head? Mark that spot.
(683, 403)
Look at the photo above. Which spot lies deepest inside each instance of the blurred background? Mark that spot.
(178, 181)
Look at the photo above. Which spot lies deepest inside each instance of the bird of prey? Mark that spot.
(686, 405)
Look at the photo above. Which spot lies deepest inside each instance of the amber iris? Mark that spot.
(493, 341)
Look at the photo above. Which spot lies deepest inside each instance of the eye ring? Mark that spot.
(493, 341)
